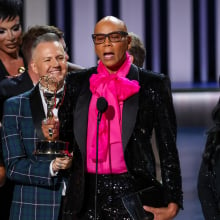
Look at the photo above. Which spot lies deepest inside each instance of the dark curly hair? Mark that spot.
(9, 9)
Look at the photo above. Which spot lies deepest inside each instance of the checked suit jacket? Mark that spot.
(37, 195)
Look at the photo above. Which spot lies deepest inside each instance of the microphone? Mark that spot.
(102, 106)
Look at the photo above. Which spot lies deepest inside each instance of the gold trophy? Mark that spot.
(50, 147)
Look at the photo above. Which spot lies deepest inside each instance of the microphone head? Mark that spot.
(102, 104)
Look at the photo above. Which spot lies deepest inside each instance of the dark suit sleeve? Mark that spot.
(18, 143)
(166, 133)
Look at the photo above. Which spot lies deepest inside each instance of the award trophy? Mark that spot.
(50, 147)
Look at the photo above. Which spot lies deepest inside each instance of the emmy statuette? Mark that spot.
(51, 148)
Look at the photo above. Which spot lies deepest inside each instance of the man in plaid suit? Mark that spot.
(39, 181)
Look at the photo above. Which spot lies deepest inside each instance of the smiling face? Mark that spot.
(48, 59)
(10, 35)
(111, 54)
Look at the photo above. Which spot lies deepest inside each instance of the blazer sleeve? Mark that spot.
(18, 141)
(166, 133)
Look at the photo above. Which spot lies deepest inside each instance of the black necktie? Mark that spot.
(58, 95)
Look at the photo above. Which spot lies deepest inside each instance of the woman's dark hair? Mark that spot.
(10, 9)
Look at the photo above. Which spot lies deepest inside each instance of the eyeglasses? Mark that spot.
(113, 37)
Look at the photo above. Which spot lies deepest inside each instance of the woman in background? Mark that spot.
(209, 174)
(11, 64)
(11, 61)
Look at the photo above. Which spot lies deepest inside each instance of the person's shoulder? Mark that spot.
(15, 85)
(152, 78)
(13, 81)
(80, 74)
(156, 80)
(16, 105)
(151, 75)
(84, 71)
(216, 113)
(19, 97)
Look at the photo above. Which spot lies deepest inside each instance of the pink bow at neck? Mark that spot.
(115, 88)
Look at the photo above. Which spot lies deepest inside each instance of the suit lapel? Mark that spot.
(37, 110)
(81, 116)
(130, 109)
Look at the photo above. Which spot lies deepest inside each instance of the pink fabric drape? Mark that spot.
(115, 88)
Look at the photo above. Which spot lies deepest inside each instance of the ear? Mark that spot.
(129, 42)
(34, 67)
(132, 58)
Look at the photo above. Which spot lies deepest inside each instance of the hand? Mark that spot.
(50, 128)
(166, 213)
(2, 175)
(61, 163)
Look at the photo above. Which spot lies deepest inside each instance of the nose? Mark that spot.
(11, 35)
(55, 62)
(107, 40)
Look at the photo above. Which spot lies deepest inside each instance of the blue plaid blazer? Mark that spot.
(37, 195)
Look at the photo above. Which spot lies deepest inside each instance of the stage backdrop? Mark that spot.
(181, 36)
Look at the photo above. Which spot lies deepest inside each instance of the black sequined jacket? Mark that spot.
(151, 108)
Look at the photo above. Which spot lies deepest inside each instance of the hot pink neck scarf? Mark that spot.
(115, 88)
